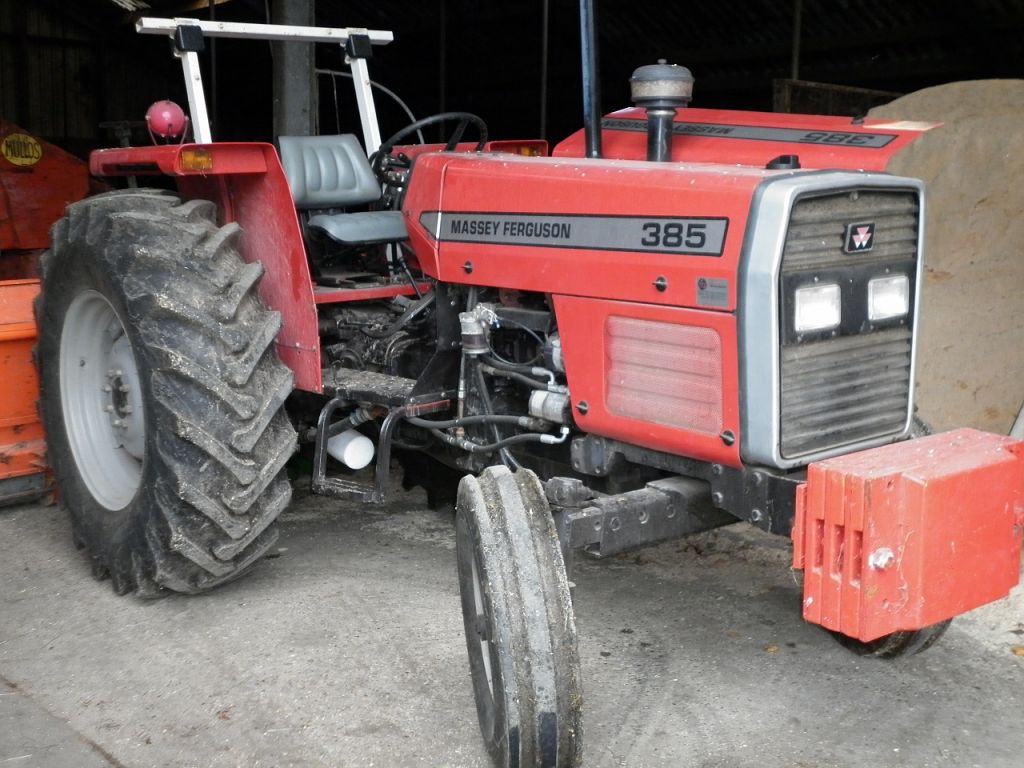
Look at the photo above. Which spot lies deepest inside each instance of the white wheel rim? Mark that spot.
(101, 399)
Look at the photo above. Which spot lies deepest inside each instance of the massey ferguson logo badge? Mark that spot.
(859, 237)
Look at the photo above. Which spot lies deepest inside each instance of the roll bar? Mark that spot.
(187, 37)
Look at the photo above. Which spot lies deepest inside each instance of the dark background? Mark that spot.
(66, 66)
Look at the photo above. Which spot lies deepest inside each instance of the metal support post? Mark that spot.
(294, 85)
(367, 108)
(196, 97)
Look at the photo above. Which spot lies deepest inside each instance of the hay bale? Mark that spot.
(971, 353)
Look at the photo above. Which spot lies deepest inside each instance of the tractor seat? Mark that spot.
(327, 172)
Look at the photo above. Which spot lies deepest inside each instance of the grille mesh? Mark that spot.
(844, 390)
(851, 388)
(818, 226)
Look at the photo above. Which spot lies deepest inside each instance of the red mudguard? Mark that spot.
(908, 535)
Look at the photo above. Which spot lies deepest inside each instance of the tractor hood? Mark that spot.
(756, 138)
(614, 229)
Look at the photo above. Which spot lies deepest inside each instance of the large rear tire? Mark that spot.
(161, 393)
(519, 622)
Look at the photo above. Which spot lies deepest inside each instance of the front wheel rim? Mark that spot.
(483, 629)
(101, 399)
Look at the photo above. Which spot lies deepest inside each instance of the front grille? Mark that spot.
(844, 390)
(855, 387)
(818, 225)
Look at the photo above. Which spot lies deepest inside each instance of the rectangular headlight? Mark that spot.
(888, 297)
(818, 308)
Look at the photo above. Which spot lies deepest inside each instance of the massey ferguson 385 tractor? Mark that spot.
(678, 319)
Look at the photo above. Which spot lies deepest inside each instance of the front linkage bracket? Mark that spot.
(607, 525)
(762, 497)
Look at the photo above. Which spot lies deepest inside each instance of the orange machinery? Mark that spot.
(37, 180)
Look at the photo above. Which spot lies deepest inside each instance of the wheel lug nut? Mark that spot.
(124, 388)
(119, 372)
(111, 373)
(127, 409)
(108, 408)
(106, 388)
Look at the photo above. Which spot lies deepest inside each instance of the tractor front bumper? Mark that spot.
(908, 535)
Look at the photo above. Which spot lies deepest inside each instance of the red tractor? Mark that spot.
(679, 319)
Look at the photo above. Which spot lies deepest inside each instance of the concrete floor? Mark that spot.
(346, 649)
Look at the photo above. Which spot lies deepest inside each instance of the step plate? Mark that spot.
(367, 386)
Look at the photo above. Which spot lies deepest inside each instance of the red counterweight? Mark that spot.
(908, 535)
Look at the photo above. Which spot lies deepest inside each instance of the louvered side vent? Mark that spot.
(851, 388)
(664, 373)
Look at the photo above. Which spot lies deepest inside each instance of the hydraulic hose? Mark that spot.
(354, 419)
(522, 368)
(506, 456)
(471, 447)
(414, 311)
(514, 375)
(526, 422)
(357, 417)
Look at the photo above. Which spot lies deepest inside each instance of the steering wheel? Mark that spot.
(383, 161)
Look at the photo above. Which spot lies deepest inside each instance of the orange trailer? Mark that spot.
(37, 181)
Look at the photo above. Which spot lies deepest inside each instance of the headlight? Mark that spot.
(888, 297)
(818, 308)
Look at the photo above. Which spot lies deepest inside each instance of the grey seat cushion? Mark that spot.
(328, 171)
(368, 227)
(333, 172)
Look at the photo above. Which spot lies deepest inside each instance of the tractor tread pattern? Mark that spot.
(217, 433)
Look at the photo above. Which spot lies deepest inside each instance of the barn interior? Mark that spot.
(344, 647)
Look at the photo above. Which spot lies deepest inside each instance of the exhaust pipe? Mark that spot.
(661, 89)
(591, 88)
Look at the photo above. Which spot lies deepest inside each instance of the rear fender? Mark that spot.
(248, 185)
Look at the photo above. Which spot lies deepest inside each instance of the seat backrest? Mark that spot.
(328, 171)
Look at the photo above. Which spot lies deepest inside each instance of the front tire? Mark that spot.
(519, 623)
(897, 644)
(161, 393)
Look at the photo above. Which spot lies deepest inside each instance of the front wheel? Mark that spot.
(519, 623)
(161, 393)
(898, 643)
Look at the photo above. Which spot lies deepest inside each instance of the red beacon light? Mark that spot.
(166, 120)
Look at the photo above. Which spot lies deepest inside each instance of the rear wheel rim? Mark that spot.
(101, 399)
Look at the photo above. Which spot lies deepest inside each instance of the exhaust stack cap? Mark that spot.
(661, 85)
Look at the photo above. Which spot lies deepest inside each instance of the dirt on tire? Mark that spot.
(216, 436)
